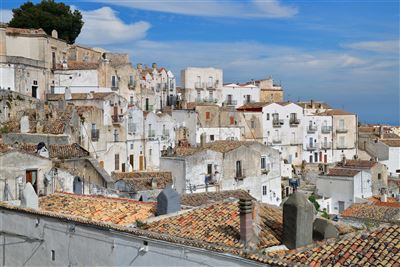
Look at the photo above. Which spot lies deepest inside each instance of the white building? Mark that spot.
(344, 187)
(202, 84)
(227, 165)
(237, 95)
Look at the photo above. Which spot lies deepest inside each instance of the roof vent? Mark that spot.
(168, 201)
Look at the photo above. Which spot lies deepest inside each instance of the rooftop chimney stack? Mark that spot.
(246, 220)
(298, 217)
(381, 132)
(168, 201)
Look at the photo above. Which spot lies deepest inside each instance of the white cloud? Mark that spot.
(390, 46)
(213, 8)
(5, 15)
(103, 27)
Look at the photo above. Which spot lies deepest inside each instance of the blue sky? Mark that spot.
(343, 52)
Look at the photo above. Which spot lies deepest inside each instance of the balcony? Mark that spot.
(326, 129)
(114, 87)
(131, 85)
(294, 122)
(276, 123)
(326, 145)
(198, 85)
(229, 103)
(152, 134)
(311, 129)
(165, 135)
(211, 85)
(95, 134)
(341, 130)
(117, 119)
(206, 100)
(276, 140)
(312, 147)
(341, 146)
(240, 174)
(149, 108)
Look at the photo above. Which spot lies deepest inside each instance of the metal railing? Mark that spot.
(326, 145)
(341, 146)
(199, 85)
(95, 135)
(229, 103)
(240, 174)
(311, 128)
(277, 140)
(326, 129)
(311, 147)
(341, 130)
(294, 122)
(117, 118)
(277, 123)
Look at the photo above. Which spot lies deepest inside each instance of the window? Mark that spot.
(113, 81)
(116, 162)
(239, 169)
(267, 116)
(131, 100)
(231, 120)
(131, 146)
(53, 255)
(379, 176)
(253, 124)
(150, 151)
(212, 137)
(207, 115)
(264, 190)
(116, 135)
(209, 168)
(263, 163)
(341, 124)
(131, 80)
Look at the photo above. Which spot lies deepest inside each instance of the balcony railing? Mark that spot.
(229, 103)
(114, 87)
(276, 140)
(149, 107)
(341, 130)
(117, 119)
(211, 85)
(294, 122)
(311, 129)
(341, 146)
(95, 135)
(152, 134)
(240, 174)
(311, 147)
(165, 135)
(131, 85)
(199, 85)
(206, 100)
(326, 145)
(326, 129)
(277, 123)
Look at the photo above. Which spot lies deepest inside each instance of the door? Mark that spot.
(123, 167)
(115, 111)
(325, 158)
(320, 156)
(147, 104)
(31, 177)
(77, 185)
(141, 163)
(316, 156)
(131, 160)
(34, 91)
(341, 206)
(311, 159)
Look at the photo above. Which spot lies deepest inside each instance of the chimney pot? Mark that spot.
(246, 220)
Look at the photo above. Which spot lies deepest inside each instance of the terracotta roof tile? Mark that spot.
(58, 151)
(140, 181)
(390, 201)
(102, 209)
(333, 112)
(219, 224)
(358, 164)
(345, 172)
(373, 212)
(391, 142)
(380, 247)
(198, 199)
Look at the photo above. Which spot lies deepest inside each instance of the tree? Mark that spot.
(49, 16)
(313, 200)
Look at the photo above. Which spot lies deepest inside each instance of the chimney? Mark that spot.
(298, 217)
(312, 103)
(168, 201)
(153, 183)
(29, 198)
(203, 137)
(246, 220)
(54, 34)
(381, 132)
(154, 66)
(139, 66)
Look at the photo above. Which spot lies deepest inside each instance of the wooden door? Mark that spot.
(31, 177)
(325, 158)
(131, 161)
(141, 163)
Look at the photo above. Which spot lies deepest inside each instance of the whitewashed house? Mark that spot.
(202, 85)
(344, 187)
(238, 95)
(227, 165)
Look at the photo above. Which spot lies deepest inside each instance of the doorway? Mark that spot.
(31, 177)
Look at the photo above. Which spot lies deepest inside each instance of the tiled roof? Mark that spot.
(255, 105)
(219, 224)
(315, 104)
(58, 151)
(380, 247)
(198, 199)
(333, 112)
(140, 181)
(344, 172)
(218, 146)
(79, 65)
(358, 164)
(369, 211)
(391, 142)
(102, 209)
(390, 201)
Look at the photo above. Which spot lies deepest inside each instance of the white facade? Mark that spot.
(317, 142)
(221, 133)
(344, 191)
(238, 95)
(202, 84)
(393, 161)
(282, 128)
